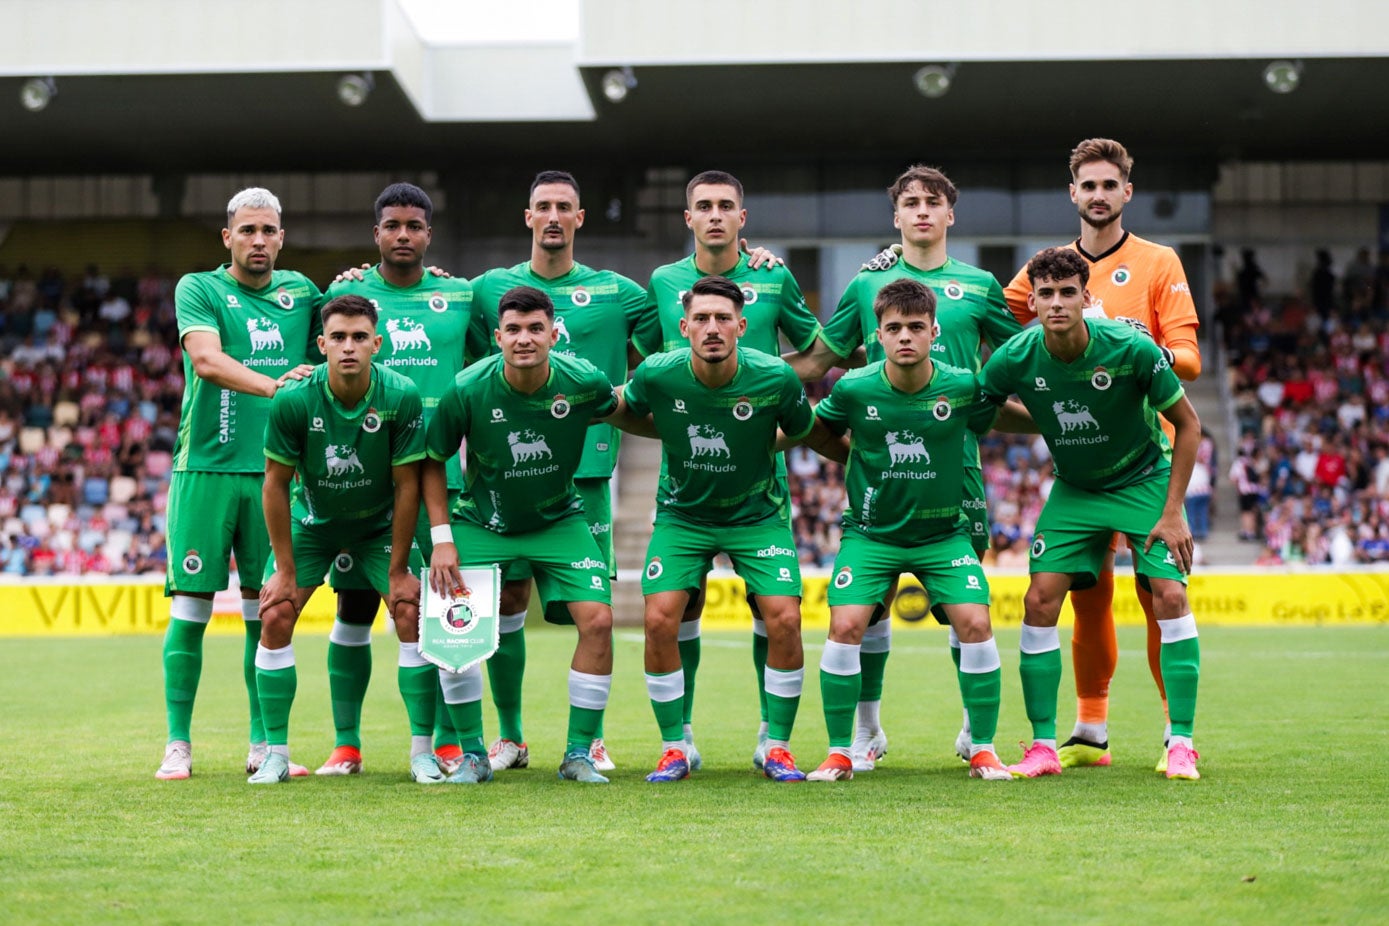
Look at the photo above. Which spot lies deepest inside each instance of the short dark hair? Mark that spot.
(1102, 149)
(714, 177)
(350, 306)
(555, 176)
(932, 179)
(408, 195)
(906, 296)
(714, 286)
(1058, 264)
(525, 299)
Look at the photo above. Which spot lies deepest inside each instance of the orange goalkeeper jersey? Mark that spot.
(1135, 279)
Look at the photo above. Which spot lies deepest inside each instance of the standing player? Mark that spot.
(245, 329)
(772, 304)
(524, 415)
(353, 432)
(595, 313)
(431, 330)
(1142, 284)
(717, 407)
(907, 415)
(1094, 388)
(970, 310)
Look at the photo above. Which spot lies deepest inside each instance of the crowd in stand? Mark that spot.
(1310, 379)
(91, 381)
(90, 387)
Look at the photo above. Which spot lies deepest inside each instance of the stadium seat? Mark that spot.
(65, 414)
(96, 490)
(59, 436)
(58, 515)
(117, 544)
(32, 440)
(122, 489)
(158, 463)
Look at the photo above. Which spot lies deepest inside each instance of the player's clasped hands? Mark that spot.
(1171, 529)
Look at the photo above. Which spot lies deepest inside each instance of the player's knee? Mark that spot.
(407, 621)
(357, 605)
(1041, 602)
(1169, 600)
(277, 625)
(515, 596)
(972, 625)
(781, 619)
(846, 629)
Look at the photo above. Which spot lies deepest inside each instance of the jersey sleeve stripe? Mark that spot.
(1176, 397)
(271, 455)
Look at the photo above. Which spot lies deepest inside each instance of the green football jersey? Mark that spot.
(596, 312)
(428, 334)
(970, 308)
(719, 444)
(344, 455)
(1098, 413)
(269, 330)
(772, 303)
(906, 453)
(522, 449)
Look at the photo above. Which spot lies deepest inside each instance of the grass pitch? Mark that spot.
(1290, 823)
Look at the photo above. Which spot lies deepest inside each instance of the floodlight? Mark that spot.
(617, 83)
(1283, 76)
(934, 80)
(36, 93)
(353, 89)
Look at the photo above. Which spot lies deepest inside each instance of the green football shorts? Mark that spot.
(420, 551)
(1076, 526)
(360, 552)
(947, 569)
(210, 517)
(596, 495)
(563, 557)
(764, 556)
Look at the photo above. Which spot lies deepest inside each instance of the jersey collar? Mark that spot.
(1096, 258)
(351, 414)
(225, 270)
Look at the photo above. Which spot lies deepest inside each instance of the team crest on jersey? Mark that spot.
(371, 423)
(560, 407)
(192, 563)
(844, 578)
(459, 618)
(1039, 546)
(1121, 275)
(284, 299)
(654, 569)
(1072, 416)
(437, 302)
(953, 290)
(749, 295)
(941, 410)
(742, 410)
(580, 297)
(344, 562)
(1101, 379)
(265, 334)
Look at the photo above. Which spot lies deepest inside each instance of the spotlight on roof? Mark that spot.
(353, 89)
(617, 83)
(36, 93)
(934, 80)
(1283, 76)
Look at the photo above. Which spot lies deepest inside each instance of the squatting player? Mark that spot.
(524, 415)
(353, 432)
(431, 329)
(773, 304)
(907, 415)
(970, 310)
(1094, 388)
(1143, 284)
(595, 313)
(716, 407)
(246, 329)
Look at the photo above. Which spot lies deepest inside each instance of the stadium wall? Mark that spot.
(1228, 597)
